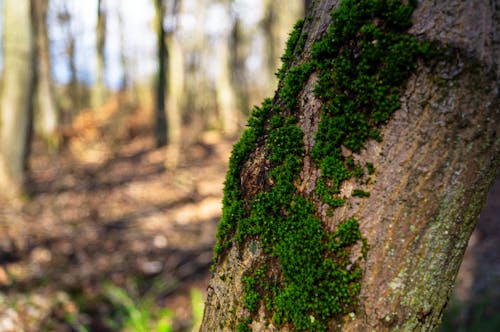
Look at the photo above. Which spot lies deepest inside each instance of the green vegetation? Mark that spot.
(360, 193)
(197, 308)
(136, 316)
(295, 41)
(143, 315)
(363, 62)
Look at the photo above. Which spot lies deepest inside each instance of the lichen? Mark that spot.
(306, 277)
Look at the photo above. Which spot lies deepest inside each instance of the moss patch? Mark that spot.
(306, 278)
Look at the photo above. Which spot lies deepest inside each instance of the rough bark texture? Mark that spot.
(433, 168)
(17, 90)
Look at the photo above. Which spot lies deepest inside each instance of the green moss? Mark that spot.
(306, 277)
(295, 41)
(243, 325)
(370, 168)
(360, 193)
(293, 83)
(233, 208)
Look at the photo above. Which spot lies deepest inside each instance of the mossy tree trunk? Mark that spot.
(350, 199)
(16, 94)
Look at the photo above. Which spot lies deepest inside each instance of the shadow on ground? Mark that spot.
(123, 220)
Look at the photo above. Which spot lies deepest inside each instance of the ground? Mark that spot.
(107, 212)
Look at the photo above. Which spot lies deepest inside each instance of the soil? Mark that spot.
(107, 211)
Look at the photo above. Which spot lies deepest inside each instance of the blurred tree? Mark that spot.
(99, 89)
(170, 82)
(161, 81)
(200, 105)
(279, 17)
(46, 112)
(71, 102)
(123, 54)
(238, 41)
(350, 199)
(175, 99)
(227, 104)
(16, 94)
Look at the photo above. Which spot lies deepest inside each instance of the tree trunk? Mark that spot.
(124, 62)
(16, 95)
(224, 90)
(47, 115)
(98, 91)
(160, 118)
(175, 94)
(350, 199)
(280, 16)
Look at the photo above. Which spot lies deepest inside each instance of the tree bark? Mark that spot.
(16, 94)
(426, 174)
(47, 115)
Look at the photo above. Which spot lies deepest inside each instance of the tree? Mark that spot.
(98, 91)
(161, 81)
(47, 115)
(16, 94)
(224, 88)
(175, 95)
(350, 199)
(170, 83)
(280, 16)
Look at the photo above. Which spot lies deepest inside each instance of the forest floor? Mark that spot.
(106, 230)
(103, 213)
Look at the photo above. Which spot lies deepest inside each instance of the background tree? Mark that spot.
(161, 81)
(123, 52)
(351, 197)
(47, 112)
(175, 98)
(16, 94)
(227, 105)
(280, 16)
(71, 101)
(98, 92)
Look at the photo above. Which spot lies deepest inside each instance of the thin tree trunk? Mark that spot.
(123, 55)
(280, 16)
(160, 118)
(175, 98)
(47, 115)
(322, 230)
(200, 103)
(225, 92)
(16, 94)
(98, 91)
